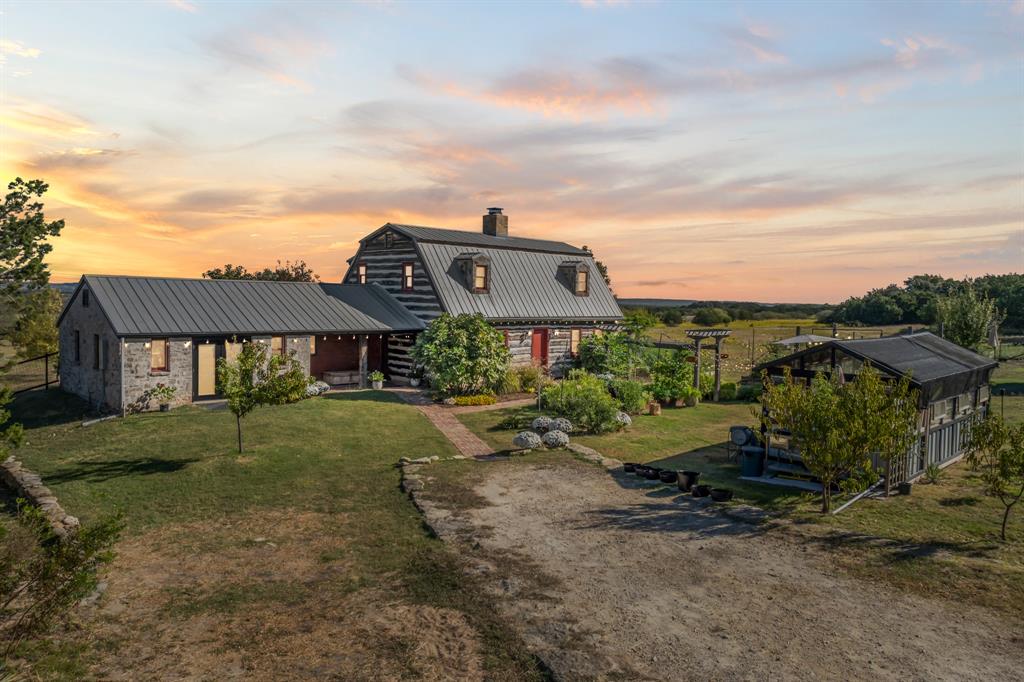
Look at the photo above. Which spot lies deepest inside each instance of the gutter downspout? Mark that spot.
(120, 352)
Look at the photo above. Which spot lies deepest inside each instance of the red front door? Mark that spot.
(539, 347)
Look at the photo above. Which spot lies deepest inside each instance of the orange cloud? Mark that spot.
(39, 119)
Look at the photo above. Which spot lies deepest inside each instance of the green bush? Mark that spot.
(728, 391)
(633, 396)
(709, 317)
(511, 382)
(671, 376)
(613, 353)
(749, 392)
(532, 378)
(584, 400)
(462, 354)
(707, 383)
(479, 399)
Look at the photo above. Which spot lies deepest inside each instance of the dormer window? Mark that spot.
(361, 272)
(481, 278)
(581, 282)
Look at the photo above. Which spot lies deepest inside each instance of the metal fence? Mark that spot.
(38, 372)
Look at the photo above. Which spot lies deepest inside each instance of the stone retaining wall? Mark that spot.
(30, 486)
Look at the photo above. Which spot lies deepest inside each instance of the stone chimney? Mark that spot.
(495, 224)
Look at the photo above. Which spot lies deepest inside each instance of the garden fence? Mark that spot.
(38, 372)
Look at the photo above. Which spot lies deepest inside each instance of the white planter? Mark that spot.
(377, 385)
(414, 382)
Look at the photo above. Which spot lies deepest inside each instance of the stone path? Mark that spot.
(444, 418)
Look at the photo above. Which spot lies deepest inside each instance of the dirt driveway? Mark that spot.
(608, 578)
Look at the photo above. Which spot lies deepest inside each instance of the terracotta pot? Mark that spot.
(654, 408)
(679, 402)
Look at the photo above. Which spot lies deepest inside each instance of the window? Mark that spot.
(506, 338)
(581, 282)
(85, 298)
(574, 342)
(361, 272)
(277, 345)
(406, 276)
(480, 277)
(312, 345)
(389, 240)
(78, 346)
(105, 359)
(158, 355)
(95, 351)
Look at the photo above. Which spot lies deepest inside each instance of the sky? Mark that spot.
(799, 152)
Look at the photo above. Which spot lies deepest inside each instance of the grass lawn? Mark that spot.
(302, 554)
(939, 539)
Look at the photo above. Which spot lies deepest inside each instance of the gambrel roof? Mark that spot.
(159, 306)
(442, 235)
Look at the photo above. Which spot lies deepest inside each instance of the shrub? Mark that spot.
(633, 396)
(555, 439)
(709, 317)
(561, 424)
(671, 376)
(376, 375)
(707, 384)
(462, 354)
(749, 392)
(542, 424)
(584, 400)
(478, 399)
(933, 473)
(532, 378)
(728, 391)
(672, 317)
(607, 354)
(527, 440)
(511, 382)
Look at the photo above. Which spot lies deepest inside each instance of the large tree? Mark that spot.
(286, 272)
(966, 317)
(24, 238)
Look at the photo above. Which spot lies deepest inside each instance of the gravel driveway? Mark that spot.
(610, 579)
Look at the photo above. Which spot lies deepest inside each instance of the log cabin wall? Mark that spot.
(384, 256)
(560, 359)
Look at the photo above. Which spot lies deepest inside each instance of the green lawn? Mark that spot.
(177, 478)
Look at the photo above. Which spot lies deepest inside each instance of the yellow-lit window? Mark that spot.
(361, 272)
(406, 276)
(158, 355)
(581, 282)
(574, 342)
(312, 345)
(480, 282)
(277, 345)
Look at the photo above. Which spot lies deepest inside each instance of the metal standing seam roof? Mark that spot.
(155, 306)
(442, 235)
(524, 285)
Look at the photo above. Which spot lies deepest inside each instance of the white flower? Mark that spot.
(556, 439)
(561, 424)
(542, 424)
(526, 440)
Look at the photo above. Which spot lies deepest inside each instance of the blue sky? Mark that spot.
(770, 151)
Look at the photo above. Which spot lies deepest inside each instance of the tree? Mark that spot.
(462, 354)
(709, 317)
(24, 235)
(966, 317)
(35, 331)
(638, 321)
(601, 267)
(996, 452)
(612, 353)
(672, 317)
(253, 380)
(288, 272)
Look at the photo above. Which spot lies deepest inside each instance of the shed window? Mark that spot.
(95, 351)
(361, 272)
(78, 346)
(277, 345)
(406, 276)
(312, 344)
(574, 342)
(158, 361)
(481, 278)
(85, 298)
(581, 282)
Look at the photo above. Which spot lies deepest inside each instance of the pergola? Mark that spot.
(698, 336)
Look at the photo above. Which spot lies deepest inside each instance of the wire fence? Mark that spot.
(38, 372)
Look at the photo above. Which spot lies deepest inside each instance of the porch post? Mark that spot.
(718, 366)
(696, 365)
(362, 360)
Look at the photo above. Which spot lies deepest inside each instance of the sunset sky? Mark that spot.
(774, 152)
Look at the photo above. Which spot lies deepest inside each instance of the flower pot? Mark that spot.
(668, 476)
(377, 385)
(414, 382)
(652, 473)
(905, 487)
(654, 408)
(721, 494)
(700, 490)
(691, 401)
(687, 479)
(628, 466)
(164, 407)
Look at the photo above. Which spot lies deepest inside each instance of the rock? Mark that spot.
(527, 440)
(556, 439)
(459, 457)
(623, 419)
(434, 458)
(421, 460)
(404, 460)
(412, 484)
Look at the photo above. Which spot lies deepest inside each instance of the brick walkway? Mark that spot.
(443, 417)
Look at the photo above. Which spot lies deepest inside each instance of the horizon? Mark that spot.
(777, 153)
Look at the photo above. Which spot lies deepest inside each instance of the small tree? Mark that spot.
(996, 452)
(966, 317)
(462, 354)
(638, 321)
(35, 331)
(253, 380)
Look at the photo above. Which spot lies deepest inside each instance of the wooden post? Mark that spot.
(718, 366)
(46, 371)
(363, 355)
(696, 365)
(753, 344)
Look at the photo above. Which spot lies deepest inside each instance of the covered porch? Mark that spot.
(345, 359)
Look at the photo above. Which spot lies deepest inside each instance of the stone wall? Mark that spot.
(139, 380)
(99, 386)
(29, 486)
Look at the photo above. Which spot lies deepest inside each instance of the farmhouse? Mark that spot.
(952, 382)
(121, 337)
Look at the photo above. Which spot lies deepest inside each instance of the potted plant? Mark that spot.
(164, 394)
(377, 379)
(414, 378)
(691, 397)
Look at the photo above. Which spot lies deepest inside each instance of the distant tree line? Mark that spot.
(286, 272)
(920, 298)
(710, 313)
